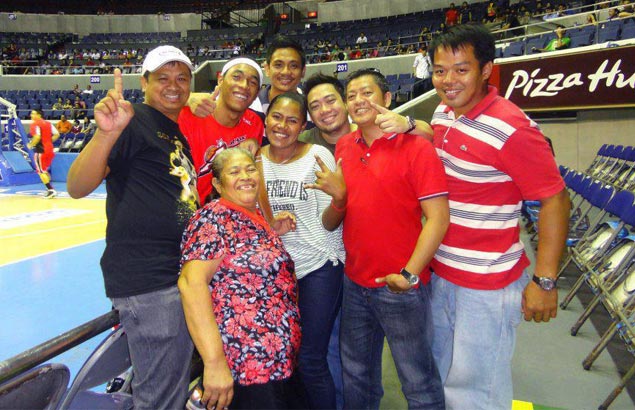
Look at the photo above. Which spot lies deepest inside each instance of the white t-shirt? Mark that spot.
(310, 245)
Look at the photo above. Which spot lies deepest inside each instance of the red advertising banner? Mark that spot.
(601, 78)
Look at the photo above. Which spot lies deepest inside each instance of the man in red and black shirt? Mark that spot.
(43, 134)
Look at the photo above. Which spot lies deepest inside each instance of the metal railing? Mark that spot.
(39, 354)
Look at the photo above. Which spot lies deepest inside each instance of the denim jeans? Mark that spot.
(320, 298)
(160, 348)
(474, 338)
(334, 360)
(369, 314)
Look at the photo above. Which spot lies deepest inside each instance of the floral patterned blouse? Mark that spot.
(254, 291)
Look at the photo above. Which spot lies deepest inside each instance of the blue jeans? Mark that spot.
(369, 314)
(474, 339)
(335, 362)
(320, 298)
(160, 348)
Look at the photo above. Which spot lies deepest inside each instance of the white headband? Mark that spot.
(243, 60)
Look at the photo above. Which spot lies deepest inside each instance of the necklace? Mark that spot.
(295, 150)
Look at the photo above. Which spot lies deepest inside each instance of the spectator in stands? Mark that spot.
(490, 15)
(229, 122)
(511, 23)
(88, 127)
(590, 19)
(561, 41)
(59, 105)
(149, 175)
(422, 70)
(77, 126)
(479, 279)
(355, 54)
(45, 67)
(63, 125)
(68, 105)
(88, 90)
(78, 100)
(465, 13)
(385, 287)
(76, 90)
(362, 39)
(451, 16)
(43, 134)
(626, 9)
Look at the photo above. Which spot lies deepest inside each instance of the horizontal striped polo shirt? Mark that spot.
(494, 157)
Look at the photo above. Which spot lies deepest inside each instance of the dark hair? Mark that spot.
(220, 159)
(293, 96)
(378, 77)
(463, 35)
(280, 41)
(39, 111)
(319, 79)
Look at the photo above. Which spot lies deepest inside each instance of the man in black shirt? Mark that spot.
(151, 194)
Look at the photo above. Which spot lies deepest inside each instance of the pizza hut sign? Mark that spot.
(595, 79)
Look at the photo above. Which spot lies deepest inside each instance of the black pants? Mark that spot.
(282, 394)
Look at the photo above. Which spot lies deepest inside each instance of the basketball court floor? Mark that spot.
(50, 282)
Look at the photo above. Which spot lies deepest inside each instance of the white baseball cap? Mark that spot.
(162, 55)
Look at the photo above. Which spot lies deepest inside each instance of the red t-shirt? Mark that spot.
(385, 186)
(207, 138)
(451, 17)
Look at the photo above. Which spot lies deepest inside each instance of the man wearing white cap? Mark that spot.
(150, 182)
(230, 124)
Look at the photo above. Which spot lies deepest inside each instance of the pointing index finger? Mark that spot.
(118, 81)
(379, 108)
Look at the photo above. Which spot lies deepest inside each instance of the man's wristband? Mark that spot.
(336, 208)
(412, 124)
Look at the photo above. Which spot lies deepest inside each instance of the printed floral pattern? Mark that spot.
(254, 291)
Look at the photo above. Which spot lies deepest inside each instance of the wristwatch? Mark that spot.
(545, 283)
(413, 280)
(412, 124)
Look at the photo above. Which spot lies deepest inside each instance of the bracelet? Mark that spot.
(411, 123)
(336, 208)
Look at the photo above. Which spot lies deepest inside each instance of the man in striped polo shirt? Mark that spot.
(495, 157)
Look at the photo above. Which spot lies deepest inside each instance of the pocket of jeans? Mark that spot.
(405, 292)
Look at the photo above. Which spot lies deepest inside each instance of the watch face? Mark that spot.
(547, 284)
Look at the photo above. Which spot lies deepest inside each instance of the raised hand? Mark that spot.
(113, 112)
(389, 121)
(203, 104)
(329, 182)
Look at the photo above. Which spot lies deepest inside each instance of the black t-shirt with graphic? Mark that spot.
(151, 191)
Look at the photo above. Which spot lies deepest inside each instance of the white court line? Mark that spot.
(57, 228)
(50, 252)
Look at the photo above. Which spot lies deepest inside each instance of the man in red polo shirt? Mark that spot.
(43, 134)
(384, 183)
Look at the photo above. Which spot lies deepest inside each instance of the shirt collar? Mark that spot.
(358, 136)
(492, 95)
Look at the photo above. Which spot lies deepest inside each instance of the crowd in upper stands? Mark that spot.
(101, 53)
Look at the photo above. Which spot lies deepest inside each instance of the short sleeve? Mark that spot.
(428, 174)
(526, 157)
(202, 239)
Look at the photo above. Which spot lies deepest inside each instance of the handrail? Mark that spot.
(56, 346)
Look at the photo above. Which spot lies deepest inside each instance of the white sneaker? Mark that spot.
(51, 193)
